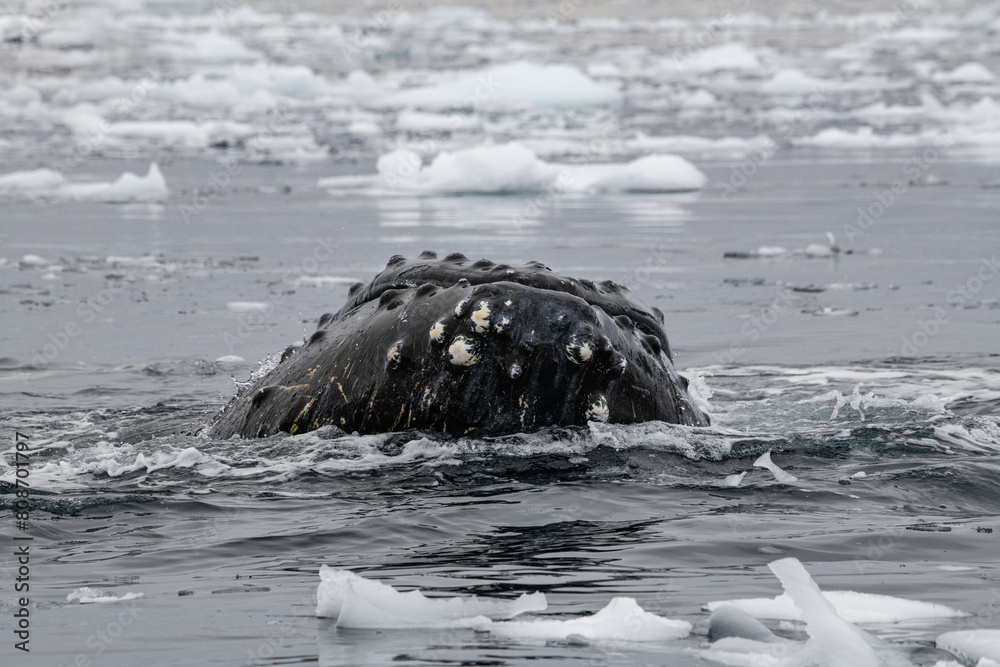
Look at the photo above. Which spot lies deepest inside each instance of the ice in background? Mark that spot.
(186, 185)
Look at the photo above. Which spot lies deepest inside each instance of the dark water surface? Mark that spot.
(224, 539)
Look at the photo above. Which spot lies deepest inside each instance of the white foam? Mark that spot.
(972, 645)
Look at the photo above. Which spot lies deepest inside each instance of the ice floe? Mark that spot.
(87, 595)
(519, 83)
(849, 605)
(781, 476)
(357, 602)
(50, 184)
(514, 168)
(972, 646)
(833, 639)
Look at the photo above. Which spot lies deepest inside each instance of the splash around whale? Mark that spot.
(469, 347)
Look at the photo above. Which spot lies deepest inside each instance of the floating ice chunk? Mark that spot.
(865, 137)
(230, 360)
(126, 188)
(764, 461)
(29, 183)
(520, 83)
(652, 173)
(724, 57)
(972, 646)
(771, 251)
(21, 95)
(731, 621)
(212, 46)
(418, 121)
(725, 146)
(357, 602)
(30, 260)
(50, 184)
(246, 306)
(968, 73)
(734, 480)
(833, 638)
(792, 81)
(87, 595)
(850, 605)
(621, 620)
(316, 281)
(512, 167)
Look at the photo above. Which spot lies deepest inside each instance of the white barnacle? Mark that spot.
(461, 352)
(579, 354)
(514, 370)
(394, 354)
(508, 302)
(460, 307)
(598, 410)
(437, 331)
(504, 321)
(481, 318)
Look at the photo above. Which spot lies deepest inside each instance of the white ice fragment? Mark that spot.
(723, 57)
(839, 642)
(971, 72)
(621, 620)
(230, 360)
(850, 605)
(764, 461)
(28, 183)
(357, 602)
(512, 168)
(87, 595)
(50, 184)
(246, 306)
(519, 83)
(972, 646)
(734, 480)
